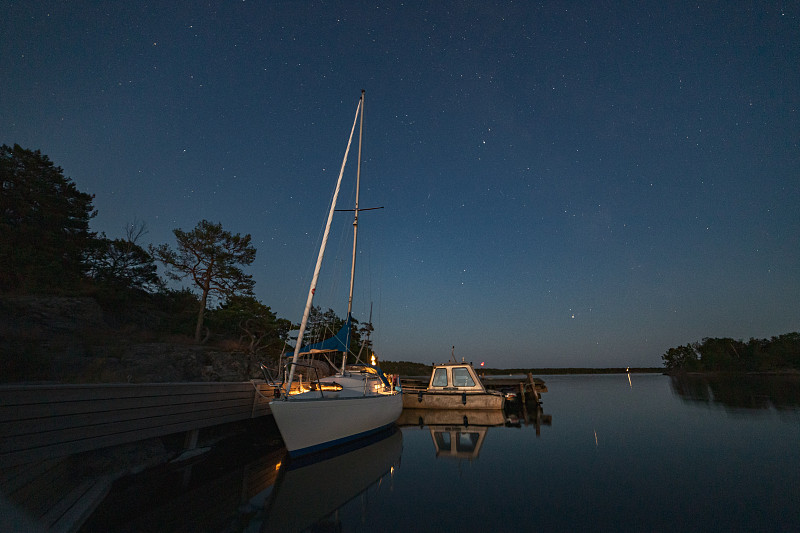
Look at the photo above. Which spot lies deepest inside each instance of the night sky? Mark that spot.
(563, 185)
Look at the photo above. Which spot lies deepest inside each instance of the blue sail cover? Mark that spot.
(339, 342)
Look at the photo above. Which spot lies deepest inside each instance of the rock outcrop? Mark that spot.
(73, 340)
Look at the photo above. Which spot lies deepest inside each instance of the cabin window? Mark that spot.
(461, 378)
(467, 442)
(442, 440)
(440, 377)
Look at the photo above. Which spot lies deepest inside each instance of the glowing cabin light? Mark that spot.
(373, 360)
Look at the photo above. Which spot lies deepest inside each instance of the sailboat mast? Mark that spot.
(355, 228)
(315, 277)
(355, 219)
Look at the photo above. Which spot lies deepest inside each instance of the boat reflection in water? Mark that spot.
(455, 434)
(460, 434)
(311, 489)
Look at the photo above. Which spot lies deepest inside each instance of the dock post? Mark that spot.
(534, 394)
(523, 403)
(190, 442)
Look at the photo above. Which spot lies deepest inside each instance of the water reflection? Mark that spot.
(522, 415)
(460, 434)
(621, 457)
(209, 493)
(241, 487)
(310, 491)
(445, 417)
(455, 434)
(750, 391)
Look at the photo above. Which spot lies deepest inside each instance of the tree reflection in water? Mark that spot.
(739, 391)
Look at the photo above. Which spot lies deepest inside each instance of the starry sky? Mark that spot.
(563, 184)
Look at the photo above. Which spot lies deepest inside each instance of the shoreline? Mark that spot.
(786, 372)
(579, 370)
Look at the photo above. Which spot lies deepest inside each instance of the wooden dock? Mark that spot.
(42, 426)
(61, 495)
(45, 421)
(526, 390)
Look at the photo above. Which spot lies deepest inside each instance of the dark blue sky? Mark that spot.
(563, 185)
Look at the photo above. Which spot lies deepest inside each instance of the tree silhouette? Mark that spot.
(122, 263)
(209, 255)
(254, 323)
(44, 224)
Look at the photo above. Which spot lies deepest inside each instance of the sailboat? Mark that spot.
(358, 400)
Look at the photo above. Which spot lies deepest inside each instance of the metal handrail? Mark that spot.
(316, 372)
(267, 374)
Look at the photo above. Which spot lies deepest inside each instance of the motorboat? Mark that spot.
(452, 386)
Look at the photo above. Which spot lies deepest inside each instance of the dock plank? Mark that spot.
(39, 422)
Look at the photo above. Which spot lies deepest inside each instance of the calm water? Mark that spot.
(605, 453)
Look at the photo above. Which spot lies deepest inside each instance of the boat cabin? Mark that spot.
(459, 377)
(452, 386)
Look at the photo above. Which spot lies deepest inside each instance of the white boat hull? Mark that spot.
(453, 400)
(312, 423)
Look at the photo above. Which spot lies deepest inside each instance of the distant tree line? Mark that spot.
(406, 368)
(572, 370)
(729, 355)
(47, 248)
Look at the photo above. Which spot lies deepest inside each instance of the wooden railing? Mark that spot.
(45, 421)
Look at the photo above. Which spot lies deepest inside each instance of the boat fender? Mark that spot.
(464, 398)
(466, 421)
(419, 397)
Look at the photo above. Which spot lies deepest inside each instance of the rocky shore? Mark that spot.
(74, 340)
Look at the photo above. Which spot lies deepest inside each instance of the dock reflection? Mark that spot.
(208, 493)
(518, 415)
(246, 488)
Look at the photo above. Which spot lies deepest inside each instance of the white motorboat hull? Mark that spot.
(432, 399)
(309, 423)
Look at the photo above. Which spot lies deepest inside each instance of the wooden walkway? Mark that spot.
(528, 389)
(42, 425)
(45, 421)
(59, 495)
